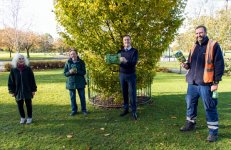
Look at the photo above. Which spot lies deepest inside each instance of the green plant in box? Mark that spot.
(180, 57)
(74, 69)
(112, 58)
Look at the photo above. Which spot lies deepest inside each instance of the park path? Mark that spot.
(2, 65)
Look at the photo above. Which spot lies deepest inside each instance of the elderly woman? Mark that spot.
(22, 86)
(75, 70)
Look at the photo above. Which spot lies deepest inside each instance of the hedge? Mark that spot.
(41, 65)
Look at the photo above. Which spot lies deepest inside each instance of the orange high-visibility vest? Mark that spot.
(209, 67)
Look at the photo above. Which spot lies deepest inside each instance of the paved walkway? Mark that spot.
(2, 66)
(182, 71)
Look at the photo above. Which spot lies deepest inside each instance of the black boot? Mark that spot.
(212, 138)
(189, 126)
(125, 112)
(134, 115)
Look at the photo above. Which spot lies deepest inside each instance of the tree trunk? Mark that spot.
(10, 52)
(27, 52)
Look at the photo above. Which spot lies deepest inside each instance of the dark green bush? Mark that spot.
(41, 65)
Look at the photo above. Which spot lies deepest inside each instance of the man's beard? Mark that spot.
(201, 39)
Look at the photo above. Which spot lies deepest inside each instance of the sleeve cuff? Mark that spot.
(216, 82)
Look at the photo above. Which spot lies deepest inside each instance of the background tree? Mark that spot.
(218, 26)
(7, 39)
(97, 27)
(27, 40)
(46, 42)
(14, 15)
(59, 45)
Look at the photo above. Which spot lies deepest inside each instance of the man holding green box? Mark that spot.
(128, 61)
(205, 67)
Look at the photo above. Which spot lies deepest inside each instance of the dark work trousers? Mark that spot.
(210, 106)
(128, 85)
(28, 107)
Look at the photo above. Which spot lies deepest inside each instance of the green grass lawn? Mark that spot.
(157, 126)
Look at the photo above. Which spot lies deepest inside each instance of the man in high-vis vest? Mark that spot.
(205, 67)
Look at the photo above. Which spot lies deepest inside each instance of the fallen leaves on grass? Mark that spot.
(107, 134)
(70, 135)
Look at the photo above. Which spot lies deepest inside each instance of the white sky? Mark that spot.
(37, 15)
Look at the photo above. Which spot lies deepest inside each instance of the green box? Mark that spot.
(180, 57)
(112, 58)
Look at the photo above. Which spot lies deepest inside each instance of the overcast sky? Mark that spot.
(37, 15)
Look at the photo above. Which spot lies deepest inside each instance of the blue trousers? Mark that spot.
(193, 94)
(128, 85)
(82, 98)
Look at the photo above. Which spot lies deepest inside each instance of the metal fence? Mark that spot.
(143, 94)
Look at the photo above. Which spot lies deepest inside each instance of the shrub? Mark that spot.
(41, 65)
(228, 66)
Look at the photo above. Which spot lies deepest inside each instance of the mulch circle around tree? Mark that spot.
(109, 103)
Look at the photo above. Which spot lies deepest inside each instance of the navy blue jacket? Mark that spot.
(197, 64)
(132, 58)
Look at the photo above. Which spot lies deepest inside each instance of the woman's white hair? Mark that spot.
(15, 60)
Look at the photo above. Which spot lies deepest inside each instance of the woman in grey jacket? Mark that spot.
(22, 86)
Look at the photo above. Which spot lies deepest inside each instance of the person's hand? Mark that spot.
(123, 60)
(184, 65)
(13, 95)
(72, 71)
(33, 93)
(214, 87)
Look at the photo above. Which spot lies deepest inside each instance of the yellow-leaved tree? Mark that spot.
(96, 28)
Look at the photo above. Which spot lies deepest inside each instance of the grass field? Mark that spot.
(157, 126)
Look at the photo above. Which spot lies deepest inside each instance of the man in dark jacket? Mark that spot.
(205, 69)
(128, 59)
(75, 70)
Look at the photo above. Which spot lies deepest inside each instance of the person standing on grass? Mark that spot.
(205, 69)
(75, 70)
(22, 86)
(128, 61)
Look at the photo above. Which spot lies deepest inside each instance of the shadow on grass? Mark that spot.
(40, 76)
(158, 122)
